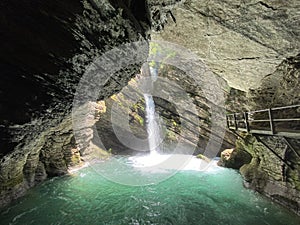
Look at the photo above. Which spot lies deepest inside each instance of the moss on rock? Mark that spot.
(9, 184)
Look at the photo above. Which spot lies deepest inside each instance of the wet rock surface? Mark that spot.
(268, 173)
(46, 47)
(274, 168)
(252, 45)
(241, 41)
(175, 95)
(234, 158)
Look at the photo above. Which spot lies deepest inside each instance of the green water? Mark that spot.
(189, 197)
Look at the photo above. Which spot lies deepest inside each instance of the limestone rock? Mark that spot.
(268, 174)
(234, 158)
(43, 57)
(177, 122)
(280, 88)
(241, 41)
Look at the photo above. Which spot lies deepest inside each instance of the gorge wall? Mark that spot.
(194, 130)
(275, 174)
(241, 41)
(266, 172)
(46, 47)
(255, 47)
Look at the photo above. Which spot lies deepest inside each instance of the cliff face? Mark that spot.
(241, 41)
(267, 173)
(254, 46)
(274, 165)
(280, 88)
(193, 128)
(45, 48)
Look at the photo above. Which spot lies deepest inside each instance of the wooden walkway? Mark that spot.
(280, 121)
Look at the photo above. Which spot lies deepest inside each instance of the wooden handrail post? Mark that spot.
(227, 121)
(235, 123)
(246, 121)
(260, 125)
(271, 121)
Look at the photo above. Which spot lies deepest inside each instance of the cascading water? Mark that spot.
(153, 128)
(152, 122)
(215, 196)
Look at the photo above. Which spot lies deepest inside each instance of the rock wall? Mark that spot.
(274, 169)
(137, 123)
(254, 45)
(266, 172)
(242, 41)
(200, 135)
(45, 48)
(280, 88)
(175, 126)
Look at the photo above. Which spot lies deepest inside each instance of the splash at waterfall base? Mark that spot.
(184, 121)
(215, 196)
(150, 154)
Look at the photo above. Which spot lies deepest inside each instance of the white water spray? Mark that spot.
(153, 128)
(152, 121)
(156, 162)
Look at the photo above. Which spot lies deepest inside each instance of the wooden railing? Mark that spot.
(281, 121)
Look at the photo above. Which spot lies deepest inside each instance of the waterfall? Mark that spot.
(153, 128)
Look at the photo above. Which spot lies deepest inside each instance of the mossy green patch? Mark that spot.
(10, 183)
(203, 157)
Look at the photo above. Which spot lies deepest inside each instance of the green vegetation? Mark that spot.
(75, 159)
(155, 49)
(200, 156)
(11, 182)
(171, 136)
(99, 153)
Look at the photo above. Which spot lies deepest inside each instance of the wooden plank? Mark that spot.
(286, 107)
(271, 121)
(235, 123)
(242, 129)
(295, 135)
(289, 135)
(246, 122)
(261, 132)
